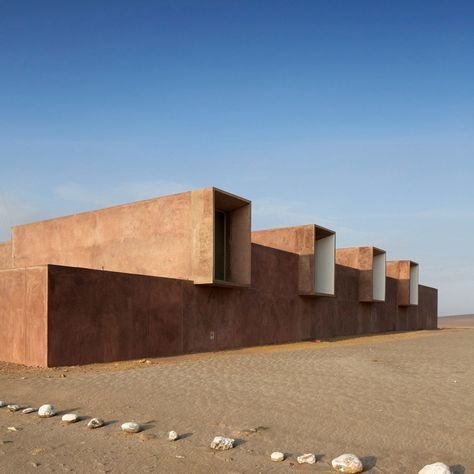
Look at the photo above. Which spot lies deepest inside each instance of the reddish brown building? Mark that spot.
(184, 273)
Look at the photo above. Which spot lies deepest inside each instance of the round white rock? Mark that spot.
(173, 436)
(221, 443)
(348, 463)
(131, 427)
(46, 411)
(70, 418)
(436, 468)
(95, 423)
(277, 456)
(306, 459)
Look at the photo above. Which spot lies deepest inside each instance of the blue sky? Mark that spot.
(354, 115)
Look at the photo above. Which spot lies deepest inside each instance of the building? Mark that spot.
(184, 273)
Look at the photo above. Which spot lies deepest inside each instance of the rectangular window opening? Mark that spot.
(379, 277)
(220, 245)
(414, 277)
(325, 265)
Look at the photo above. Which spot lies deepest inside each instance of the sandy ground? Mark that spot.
(399, 401)
(461, 321)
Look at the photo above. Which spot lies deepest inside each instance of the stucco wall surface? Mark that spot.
(5, 255)
(149, 237)
(23, 316)
(106, 316)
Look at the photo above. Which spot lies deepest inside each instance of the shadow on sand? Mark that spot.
(369, 462)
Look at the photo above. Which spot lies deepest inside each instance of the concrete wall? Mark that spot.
(150, 237)
(362, 258)
(406, 273)
(23, 316)
(303, 241)
(106, 316)
(97, 316)
(299, 240)
(169, 236)
(5, 255)
(138, 281)
(427, 307)
(238, 214)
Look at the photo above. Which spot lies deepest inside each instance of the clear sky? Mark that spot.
(356, 115)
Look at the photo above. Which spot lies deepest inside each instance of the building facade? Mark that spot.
(184, 273)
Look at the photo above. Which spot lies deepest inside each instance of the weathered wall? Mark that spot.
(427, 307)
(5, 255)
(238, 212)
(361, 258)
(304, 240)
(106, 316)
(97, 316)
(401, 270)
(23, 302)
(239, 240)
(299, 240)
(202, 225)
(150, 237)
(170, 236)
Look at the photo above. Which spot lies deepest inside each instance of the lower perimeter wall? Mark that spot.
(100, 316)
(55, 315)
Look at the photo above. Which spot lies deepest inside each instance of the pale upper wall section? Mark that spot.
(5, 255)
(203, 236)
(169, 236)
(149, 237)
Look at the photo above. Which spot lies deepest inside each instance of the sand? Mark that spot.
(461, 321)
(399, 401)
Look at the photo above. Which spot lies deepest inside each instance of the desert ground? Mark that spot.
(399, 401)
(461, 321)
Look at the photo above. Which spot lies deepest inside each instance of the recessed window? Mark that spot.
(220, 245)
(414, 276)
(379, 277)
(324, 265)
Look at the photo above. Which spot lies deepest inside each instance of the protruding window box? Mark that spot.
(407, 274)
(221, 238)
(370, 261)
(316, 247)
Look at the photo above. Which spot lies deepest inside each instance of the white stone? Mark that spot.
(95, 423)
(3, 404)
(306, 459)
(277, 456)
(221, 443)
(348, 463)
(173, 436)
(131, 427)
(70, 418)
(13, 407)
(436, 468)
(46, 411)
(28, 410)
